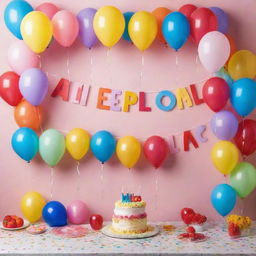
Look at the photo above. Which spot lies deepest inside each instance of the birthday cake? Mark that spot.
(129, 215)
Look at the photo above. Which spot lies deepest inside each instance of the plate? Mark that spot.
(26, 224)
(108, 232)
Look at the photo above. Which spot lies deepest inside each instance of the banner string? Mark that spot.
(51, 183)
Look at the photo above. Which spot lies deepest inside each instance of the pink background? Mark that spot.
(185, 180)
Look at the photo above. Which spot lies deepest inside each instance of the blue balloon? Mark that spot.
(176, 29)
(243, 96)
(55, 214)
(127, 17)
(14, 13)
(223, 199)
(222, 73)
(103, 145)
(25, 143)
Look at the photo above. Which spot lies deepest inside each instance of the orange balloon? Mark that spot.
(232, 47)
(27, 115)
(160, 13)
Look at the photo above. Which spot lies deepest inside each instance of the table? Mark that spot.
(95, 243)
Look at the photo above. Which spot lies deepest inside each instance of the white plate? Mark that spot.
(26, 224)
(108, 232)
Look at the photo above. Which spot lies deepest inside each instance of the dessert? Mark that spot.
(129, 215)
(12, 221)
(37, 228)
(191, 235)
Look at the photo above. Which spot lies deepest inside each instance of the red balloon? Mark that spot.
(9, 88)
(216, 93)
(245, 138)
(96, 222)
(187, 214)
(202, 21)
(155, 150)
(187, 9)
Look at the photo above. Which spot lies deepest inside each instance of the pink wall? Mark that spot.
(186, 179)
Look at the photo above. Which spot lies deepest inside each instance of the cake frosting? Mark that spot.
(129, 215)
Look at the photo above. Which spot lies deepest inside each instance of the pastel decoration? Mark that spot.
(187, 9)
(222, 19)
(62, 89)
(78, 212)
(199, 133)
(14, 13)
(127, 17)
(115, 101)
(187, 139)
(173, 147)
(142, 103)
(102, 97)
(159, 100)
(130, 98)
(223, 199)
(182, 95)
(222, 73)
(48, 8)
(197, 100)
(75, 92)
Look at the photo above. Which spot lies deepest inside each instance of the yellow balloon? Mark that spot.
(109, 25)
(36, 30)
(128, 151)
(242, 64)
(225, 156)
(78, 143)
(142, 29)
(32, 204)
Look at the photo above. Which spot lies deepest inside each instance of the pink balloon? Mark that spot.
(213, 51)
(48, 8)
(78, 212)
(65, 28)
(20, 57)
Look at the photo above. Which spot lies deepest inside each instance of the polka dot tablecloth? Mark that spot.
(95, 243)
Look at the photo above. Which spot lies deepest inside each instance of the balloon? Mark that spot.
(9, 88)
(142, 29)
(243, 179)
(224, 125)
(185, 212)
(25, 143)
(224, 156)
(232, 48)
(156, 150)
(78, 143)
(243, 96)
(160, 13)
(96, 222)
(187, 9)
(223, 198)
(202, 21)
(222, 19)
(77, 212)
(213, 51)
(245, 138)
(51, 146)
(222, 73)
(127, 17)
(242, 64)
(55, 214)
(128, 151)
(32, 204)
(27, 115)
(65, 28)
(33, 85)
(216, 93)
(109, 25)
(86, 32)
(48, 8)
(103, 145)
(36, 30)
(176, 30)
(20, 57)
(14, 13)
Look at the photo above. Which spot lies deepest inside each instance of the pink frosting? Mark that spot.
(138, 216)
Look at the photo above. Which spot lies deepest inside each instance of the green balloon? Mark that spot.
(52, 146)
(243, 179)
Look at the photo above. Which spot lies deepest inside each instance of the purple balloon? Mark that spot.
(86, 31)
(222, 19)
(33, 85)
(224, 125)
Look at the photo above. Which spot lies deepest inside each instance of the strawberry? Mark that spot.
(183, 235)
(188, 218)
(233, 230)
(12, 224)
(199, 236)
(19, 222)
(190, 229)
(185, 212)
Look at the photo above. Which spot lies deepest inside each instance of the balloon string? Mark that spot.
(109, 66)
(40, 61)
(101, 180)
(68, 64)
(142, 68)
(78, 177)
(243, 139)
(197, 59)
(91, 68)
(51, 183)
(242, 206)
(176, 67)
(156, 190)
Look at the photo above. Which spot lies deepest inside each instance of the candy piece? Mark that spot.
(190, 229)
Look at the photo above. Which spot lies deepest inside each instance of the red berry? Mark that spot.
(233, 230)
(183, 235)
(185, 212)
(190, 229)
